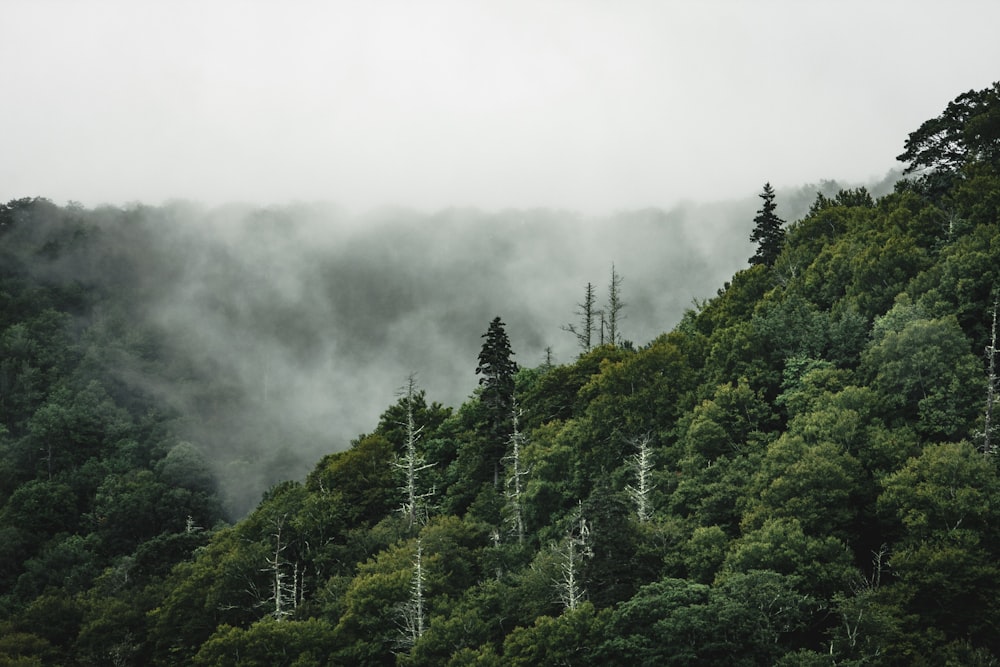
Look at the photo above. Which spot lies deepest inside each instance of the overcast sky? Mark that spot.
(592, 105)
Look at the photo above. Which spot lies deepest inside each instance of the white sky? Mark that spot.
(592, 105)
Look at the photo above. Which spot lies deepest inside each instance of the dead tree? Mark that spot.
(515, 480)
(991, 385)
(642, 465)
(412, 611)
(284, 592)
(585, 330)
(615, 306)
(412, 464)
(573, 550)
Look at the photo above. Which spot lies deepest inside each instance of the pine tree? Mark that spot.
(585, 331)
(497, 398)
(767, 232)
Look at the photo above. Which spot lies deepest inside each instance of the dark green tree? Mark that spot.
(968, 130)
(497, 369)
(767, 233)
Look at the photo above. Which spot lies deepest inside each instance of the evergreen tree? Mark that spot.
(587, 312)
(615, 306)
(497, 398)
(767, 232)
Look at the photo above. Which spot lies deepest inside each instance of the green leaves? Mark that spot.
(924, 371)
(967, 130)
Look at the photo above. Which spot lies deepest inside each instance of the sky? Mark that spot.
(589, 105)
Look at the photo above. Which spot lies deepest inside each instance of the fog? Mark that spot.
(292, 328)
(589, 105)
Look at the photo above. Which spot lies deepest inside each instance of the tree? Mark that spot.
(412, 463)
(497, 397)
(991, 386)
(575, 547)
(614, 308)
(968, 130)
(515, 481)
(412, 612)
(642, 464)
(767, 232)
(284, 593)
(587, 312)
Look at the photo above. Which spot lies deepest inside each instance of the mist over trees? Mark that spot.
(275, 334)
(799, 469)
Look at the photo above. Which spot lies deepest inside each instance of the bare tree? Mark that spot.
(515, 483)
(284, 592)
(412, 611)
(991, 385)
(585, 330)
(642, 465)
(412, 464)
(574, 549)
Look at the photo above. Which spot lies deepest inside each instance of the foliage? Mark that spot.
(767, 232)
(789, 477)
(967, 130)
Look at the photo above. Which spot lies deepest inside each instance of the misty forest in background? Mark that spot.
(802, 472)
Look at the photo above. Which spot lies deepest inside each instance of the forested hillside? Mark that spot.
(802, 472)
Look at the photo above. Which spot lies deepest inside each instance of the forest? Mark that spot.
(802, 471)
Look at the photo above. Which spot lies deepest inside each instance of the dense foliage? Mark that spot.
(795, 475)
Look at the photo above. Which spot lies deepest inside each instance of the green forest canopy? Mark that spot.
(801, 472)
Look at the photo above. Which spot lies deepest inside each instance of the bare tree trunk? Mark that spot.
(412, 463)
(575, 548)
(412, 622)
(991, 385)
(642, 464)
(282, 592)
(515, 485)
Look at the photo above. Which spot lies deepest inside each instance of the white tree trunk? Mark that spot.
(642, 464)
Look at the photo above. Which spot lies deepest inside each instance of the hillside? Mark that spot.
(801, 472)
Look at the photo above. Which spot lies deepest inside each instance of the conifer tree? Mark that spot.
(767, 232)
(585, 331)
(497, 369)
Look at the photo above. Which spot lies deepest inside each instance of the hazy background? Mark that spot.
(585, 105)
(287, 330)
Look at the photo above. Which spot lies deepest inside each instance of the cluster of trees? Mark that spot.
(802, 472)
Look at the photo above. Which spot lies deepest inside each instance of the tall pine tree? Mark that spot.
(497, 369)
(767, 232)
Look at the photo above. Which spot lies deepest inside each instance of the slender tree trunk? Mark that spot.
(575, 548)
(515, 485)
(615, 306)
(642, 464)
(991, 384)
(412, 463)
